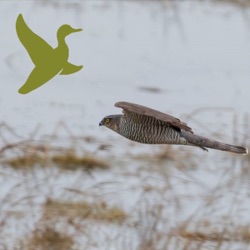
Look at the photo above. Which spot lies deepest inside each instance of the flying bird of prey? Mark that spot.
(145, 125)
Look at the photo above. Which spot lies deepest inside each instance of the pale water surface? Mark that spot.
(195, 56)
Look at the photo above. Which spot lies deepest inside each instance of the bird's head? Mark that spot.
(111, 122)
(65, 30)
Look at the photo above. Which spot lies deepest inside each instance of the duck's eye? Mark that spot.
(107, 120)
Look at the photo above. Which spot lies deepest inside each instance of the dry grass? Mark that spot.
(98, 211)
(26, 154)
(65, 159)
(61, 217)
(72, 162)
(48, 238)
(241, 234)
(72, 222)
(172, 155)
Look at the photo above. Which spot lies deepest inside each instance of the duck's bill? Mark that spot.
(77, 30)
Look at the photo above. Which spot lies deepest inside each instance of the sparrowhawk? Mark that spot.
(145, 125)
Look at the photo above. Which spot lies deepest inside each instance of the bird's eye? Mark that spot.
(107, 120)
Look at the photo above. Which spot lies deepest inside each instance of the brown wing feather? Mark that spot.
(142, 110)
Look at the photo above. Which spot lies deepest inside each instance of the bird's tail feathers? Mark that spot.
(204, 143)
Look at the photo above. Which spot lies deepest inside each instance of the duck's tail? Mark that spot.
(204, 143)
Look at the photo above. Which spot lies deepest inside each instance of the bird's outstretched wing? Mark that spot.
(34, 44)
(142, 110)
(37, 78)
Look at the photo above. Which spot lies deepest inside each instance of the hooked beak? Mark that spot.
(100, 123)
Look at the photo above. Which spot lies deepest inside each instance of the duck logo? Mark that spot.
(48, 61)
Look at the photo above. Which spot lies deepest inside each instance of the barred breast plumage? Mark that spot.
(145, 129)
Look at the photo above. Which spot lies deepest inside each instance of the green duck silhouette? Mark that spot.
(48, 61)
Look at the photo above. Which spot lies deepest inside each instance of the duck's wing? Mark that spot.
(142, 110)
(37, 78)
(34, 44)
(70, 68)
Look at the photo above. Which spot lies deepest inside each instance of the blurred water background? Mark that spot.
(190, 59)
